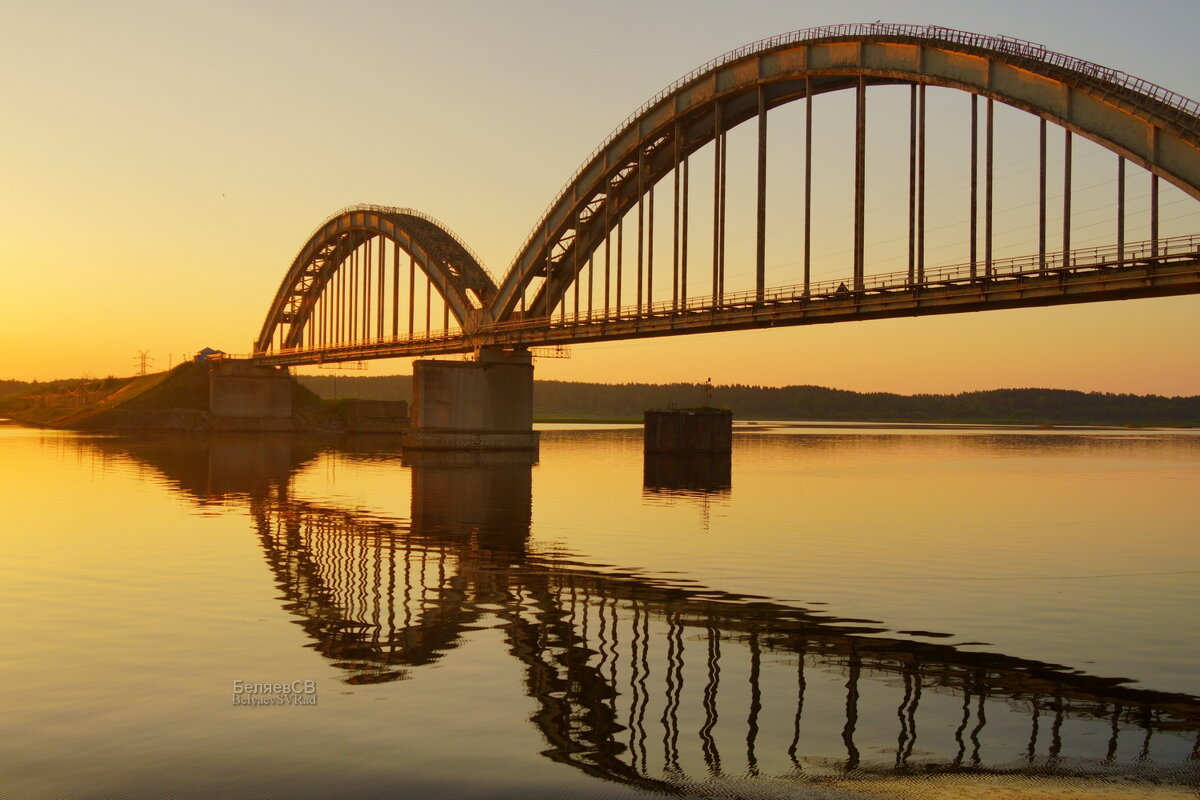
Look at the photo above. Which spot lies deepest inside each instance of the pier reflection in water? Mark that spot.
(683, 473)
(651, 682)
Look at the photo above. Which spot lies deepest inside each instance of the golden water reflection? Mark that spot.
(652, 681)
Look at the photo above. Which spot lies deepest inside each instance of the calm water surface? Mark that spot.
(837, 612)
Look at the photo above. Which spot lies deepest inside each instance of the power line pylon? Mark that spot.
(142, 360)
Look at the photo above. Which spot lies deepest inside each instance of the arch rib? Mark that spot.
(1144, 123)
(450, 264)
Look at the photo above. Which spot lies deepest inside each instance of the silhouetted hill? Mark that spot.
(563, 399)
(175, 400)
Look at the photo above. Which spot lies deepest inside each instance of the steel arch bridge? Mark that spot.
(354, 290)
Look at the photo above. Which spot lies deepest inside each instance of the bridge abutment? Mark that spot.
(486, 404)
(239, 388)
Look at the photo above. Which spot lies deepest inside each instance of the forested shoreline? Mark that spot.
(567, 400)
(571, 400)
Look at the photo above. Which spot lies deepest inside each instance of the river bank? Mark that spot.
(174, 401)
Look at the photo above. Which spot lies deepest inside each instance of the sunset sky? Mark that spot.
(163, 163)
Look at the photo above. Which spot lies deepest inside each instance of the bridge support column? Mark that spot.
(486, 404)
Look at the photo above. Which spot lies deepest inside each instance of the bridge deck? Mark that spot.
(1097, 274)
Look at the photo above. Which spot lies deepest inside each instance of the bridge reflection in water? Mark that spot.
(653, 683)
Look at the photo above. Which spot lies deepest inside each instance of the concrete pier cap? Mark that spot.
(482, 404)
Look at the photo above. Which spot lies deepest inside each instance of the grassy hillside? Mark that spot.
(173, 400)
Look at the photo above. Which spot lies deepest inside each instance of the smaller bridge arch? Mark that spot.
(450, 265)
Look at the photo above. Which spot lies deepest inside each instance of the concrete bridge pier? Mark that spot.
(485, 404)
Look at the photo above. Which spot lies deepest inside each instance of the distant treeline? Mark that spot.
(10, 387)
(562, 399)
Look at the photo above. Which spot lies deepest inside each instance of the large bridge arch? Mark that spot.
(449, 263)
(1143, 123)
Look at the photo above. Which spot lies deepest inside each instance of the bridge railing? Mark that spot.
(1093, 258)
(932, 33)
